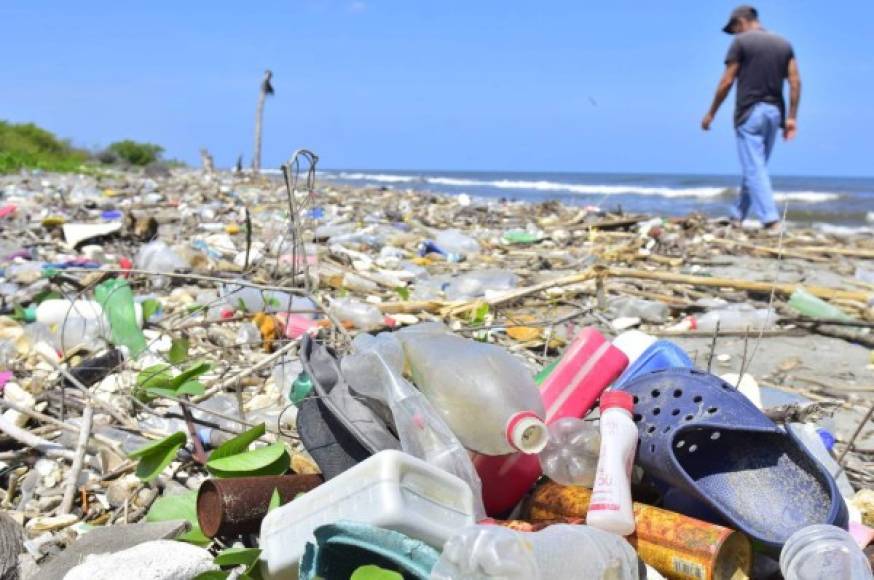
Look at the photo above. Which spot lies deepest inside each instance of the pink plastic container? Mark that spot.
(585, 370)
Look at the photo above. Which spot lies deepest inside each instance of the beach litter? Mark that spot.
(278, 377)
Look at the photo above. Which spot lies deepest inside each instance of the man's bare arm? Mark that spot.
(791, 127)
(722, 90)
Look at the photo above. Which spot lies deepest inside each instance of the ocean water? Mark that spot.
(844, 201)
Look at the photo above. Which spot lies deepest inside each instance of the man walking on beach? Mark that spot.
(760, 61)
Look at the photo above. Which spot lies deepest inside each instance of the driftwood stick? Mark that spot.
(44, 446)
(106, 407)
(737, 283)
(72, 483)
(768, 250)
(222, 385)
(513, 295)
(838, 251)
(852, 440)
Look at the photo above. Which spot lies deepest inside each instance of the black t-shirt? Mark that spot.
(764, 64)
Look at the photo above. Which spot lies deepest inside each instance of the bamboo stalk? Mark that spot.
(737, 283)
(768, 250)
(72, 482)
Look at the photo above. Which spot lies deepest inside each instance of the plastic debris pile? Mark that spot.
(268, 378)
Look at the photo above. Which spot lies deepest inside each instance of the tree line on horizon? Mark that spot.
(28, 146)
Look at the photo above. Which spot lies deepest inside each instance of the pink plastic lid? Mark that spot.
(617, 399)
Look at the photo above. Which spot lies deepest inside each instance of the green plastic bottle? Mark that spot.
(117, 300)
(546, 371)
(809, 305)
(300, 388)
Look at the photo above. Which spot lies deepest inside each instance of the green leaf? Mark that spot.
(194, 370)
(478, 315)
(46, 294)
(275, 501)
(158, 375)
(270, 460)
(178, 350)
(18, 313)
(155, 456)
(372, 572)
(403, 292)
(150, 307)
(239, 443)
(181, 506)
(238, 556)
(193, 388)
(178, 437)
(153, 392)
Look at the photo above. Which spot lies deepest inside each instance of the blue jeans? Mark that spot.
(755, 139)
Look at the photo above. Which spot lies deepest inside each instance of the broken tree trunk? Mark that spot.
(266, 89)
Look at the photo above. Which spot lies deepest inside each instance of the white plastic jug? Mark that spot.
(390, 489)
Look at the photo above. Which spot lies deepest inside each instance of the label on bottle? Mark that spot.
(688, 569)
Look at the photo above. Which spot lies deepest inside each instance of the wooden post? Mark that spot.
(266, 89)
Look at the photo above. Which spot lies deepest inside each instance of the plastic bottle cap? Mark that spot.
(617, 400)
(527, 433)
(827, 438)
(633, 343)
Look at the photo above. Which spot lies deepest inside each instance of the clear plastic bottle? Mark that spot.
(478, 283)
(646, 310)
(610, 508)
(363, 315)
(823, 551)
(375, 369)
(730, 319)
(571, 455)
(455, 242)
(257, 300)
(485, 394)
(559, 552)
(248, 335)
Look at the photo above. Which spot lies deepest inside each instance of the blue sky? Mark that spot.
(408, 84)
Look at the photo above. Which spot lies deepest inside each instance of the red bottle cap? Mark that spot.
(617, 399)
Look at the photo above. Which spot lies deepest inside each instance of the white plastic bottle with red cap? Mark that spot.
(610, 508)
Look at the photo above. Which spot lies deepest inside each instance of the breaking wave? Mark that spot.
(577, 188)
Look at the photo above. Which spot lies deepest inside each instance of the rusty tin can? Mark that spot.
(676, 545)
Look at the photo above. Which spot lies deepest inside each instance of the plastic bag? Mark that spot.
(374, 370)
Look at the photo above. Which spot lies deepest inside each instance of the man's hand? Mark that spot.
(790, 129)
(706, 121)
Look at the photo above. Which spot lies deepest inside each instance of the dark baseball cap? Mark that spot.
(744, 11)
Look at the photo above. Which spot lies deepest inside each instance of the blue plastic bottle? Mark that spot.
(662, 354)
